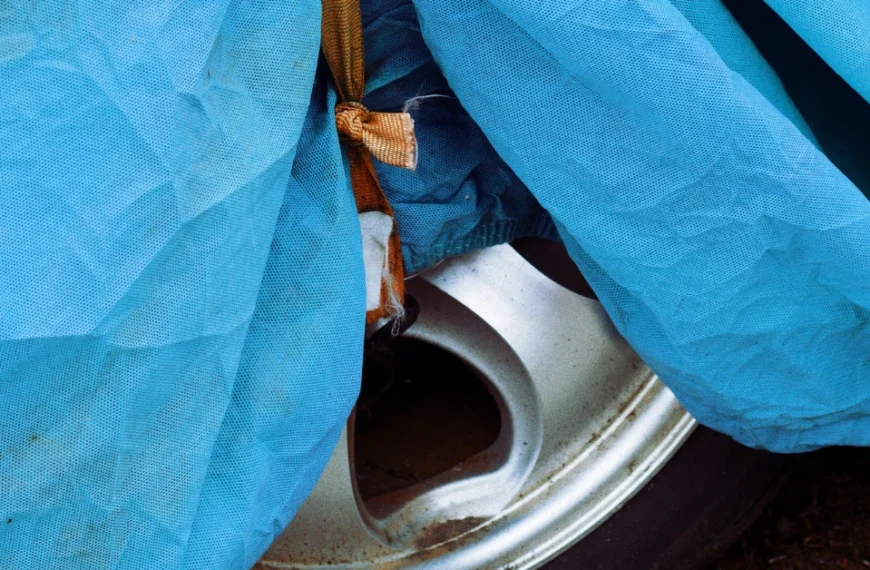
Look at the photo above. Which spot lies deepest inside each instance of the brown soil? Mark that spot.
(820, 520)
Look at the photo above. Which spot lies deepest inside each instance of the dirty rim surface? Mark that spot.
(584, 424)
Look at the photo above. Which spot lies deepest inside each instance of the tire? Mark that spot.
(692, 510)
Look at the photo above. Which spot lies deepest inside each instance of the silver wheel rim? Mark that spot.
(588, 424)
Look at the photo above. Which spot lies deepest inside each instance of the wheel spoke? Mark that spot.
(585, 424)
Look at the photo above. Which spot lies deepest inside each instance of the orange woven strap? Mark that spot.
(388, 137)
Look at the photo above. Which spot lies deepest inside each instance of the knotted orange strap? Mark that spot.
(389, 137)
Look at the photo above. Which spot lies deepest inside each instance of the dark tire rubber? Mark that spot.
(698, 504)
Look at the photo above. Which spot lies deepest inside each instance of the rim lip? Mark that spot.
(470, 551)
(528, 520)
(576, 529)
(575, 534)
(546, 519)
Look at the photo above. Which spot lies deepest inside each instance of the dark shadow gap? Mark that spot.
(552, 259)
(837, 114)
(434, 413)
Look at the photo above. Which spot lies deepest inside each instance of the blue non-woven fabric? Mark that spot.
(181, 283)
(180, 270)
(714, 21)
(838, 115)
(299, 371)
(463, 196)
(726, 248)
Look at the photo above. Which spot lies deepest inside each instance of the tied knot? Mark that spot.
(349, 120)
(389, 137)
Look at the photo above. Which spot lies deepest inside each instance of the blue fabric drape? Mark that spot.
(181, 283)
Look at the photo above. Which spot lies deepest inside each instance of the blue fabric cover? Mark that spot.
(181, 286)
(181, 293)
(726, 248)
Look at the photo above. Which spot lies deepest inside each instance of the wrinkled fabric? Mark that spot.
(180, 274)
(714, 21)
(727, 249)
(838, 115)
(182, 293)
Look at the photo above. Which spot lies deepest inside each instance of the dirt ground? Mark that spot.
(820, 520)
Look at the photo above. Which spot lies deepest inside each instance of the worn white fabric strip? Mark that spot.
(376, 228)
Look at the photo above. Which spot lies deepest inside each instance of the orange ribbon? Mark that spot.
(388, 137)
